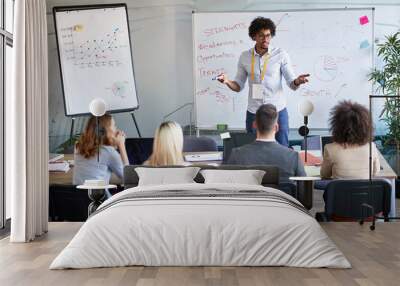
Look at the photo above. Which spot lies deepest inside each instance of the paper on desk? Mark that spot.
(59, 167)
(312, 171)
(217, 156)
(225, 135)
(312, 160)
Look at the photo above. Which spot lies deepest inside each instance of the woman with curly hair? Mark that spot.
(348, 156)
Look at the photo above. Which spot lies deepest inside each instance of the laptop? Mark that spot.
(138, 149)
(325, 140)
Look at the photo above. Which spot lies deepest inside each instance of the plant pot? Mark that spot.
(391, 155)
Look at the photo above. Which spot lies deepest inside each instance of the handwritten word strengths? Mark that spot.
(223, 29)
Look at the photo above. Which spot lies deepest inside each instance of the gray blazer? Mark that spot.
(269, 153)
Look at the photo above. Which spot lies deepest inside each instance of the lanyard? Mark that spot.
(252, 66)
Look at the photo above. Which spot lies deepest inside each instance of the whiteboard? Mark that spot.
(95, 57)
(335, 46)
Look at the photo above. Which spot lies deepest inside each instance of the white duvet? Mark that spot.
(185, 231)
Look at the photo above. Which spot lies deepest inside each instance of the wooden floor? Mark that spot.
(374, 255)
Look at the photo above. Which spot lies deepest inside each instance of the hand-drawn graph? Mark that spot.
(95, 52)
(95, 57)
(119, 88)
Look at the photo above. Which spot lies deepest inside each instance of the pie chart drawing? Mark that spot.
(119, 89)
(326, 68)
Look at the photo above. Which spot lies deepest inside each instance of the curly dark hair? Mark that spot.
(261, 23)
(350, 123)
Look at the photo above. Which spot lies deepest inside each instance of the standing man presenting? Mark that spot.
(264, 66)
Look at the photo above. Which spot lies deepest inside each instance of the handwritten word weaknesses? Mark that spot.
(214, 44)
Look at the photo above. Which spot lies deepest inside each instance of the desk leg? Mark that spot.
(97, 197)
(305, 193)
(393, 198)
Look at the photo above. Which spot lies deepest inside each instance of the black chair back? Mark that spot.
(236, 140)
(199, 144)
(345, 198)
(138, 149)
(66, 203)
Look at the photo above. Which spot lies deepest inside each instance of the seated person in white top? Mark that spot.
(85, 158)
(348, 156)
(167, 145)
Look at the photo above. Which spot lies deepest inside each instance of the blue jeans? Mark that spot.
(282, 136)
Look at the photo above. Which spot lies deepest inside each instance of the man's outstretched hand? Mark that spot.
(301, 79)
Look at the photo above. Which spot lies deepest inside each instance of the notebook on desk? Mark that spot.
(312, 159)
(53, 157)
(62, 166)
(212, 156)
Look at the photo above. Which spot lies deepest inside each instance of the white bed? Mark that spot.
(224, 225)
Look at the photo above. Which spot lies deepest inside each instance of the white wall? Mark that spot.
(161, 33)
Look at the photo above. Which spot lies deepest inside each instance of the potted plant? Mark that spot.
(387, 81)
(67, 147)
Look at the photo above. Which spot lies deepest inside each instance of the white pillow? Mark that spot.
(166, 176)
(248, 177)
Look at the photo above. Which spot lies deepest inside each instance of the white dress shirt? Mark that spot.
(265, 140)
(278, 66)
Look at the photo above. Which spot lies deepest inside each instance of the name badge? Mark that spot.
(257, 91)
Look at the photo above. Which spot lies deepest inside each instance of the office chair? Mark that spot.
(236, 140)
(199, 144)
(138, 149)
(66, 203)
(356, 200)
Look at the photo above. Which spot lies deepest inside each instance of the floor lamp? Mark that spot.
(305, 108)
(371, 97)
(97, 108)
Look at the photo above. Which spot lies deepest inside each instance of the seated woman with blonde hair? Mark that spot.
(348, 156)
(167, 145)
(86, 164)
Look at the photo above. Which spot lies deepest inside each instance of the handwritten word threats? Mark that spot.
(204, 72)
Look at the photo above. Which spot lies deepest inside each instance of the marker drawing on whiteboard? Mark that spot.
(343, 86)
(364, 44)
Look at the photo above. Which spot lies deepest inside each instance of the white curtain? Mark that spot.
(27, 124)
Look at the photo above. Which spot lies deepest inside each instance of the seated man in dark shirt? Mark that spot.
(265, 150)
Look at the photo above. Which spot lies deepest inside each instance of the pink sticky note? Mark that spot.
(364, 20)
